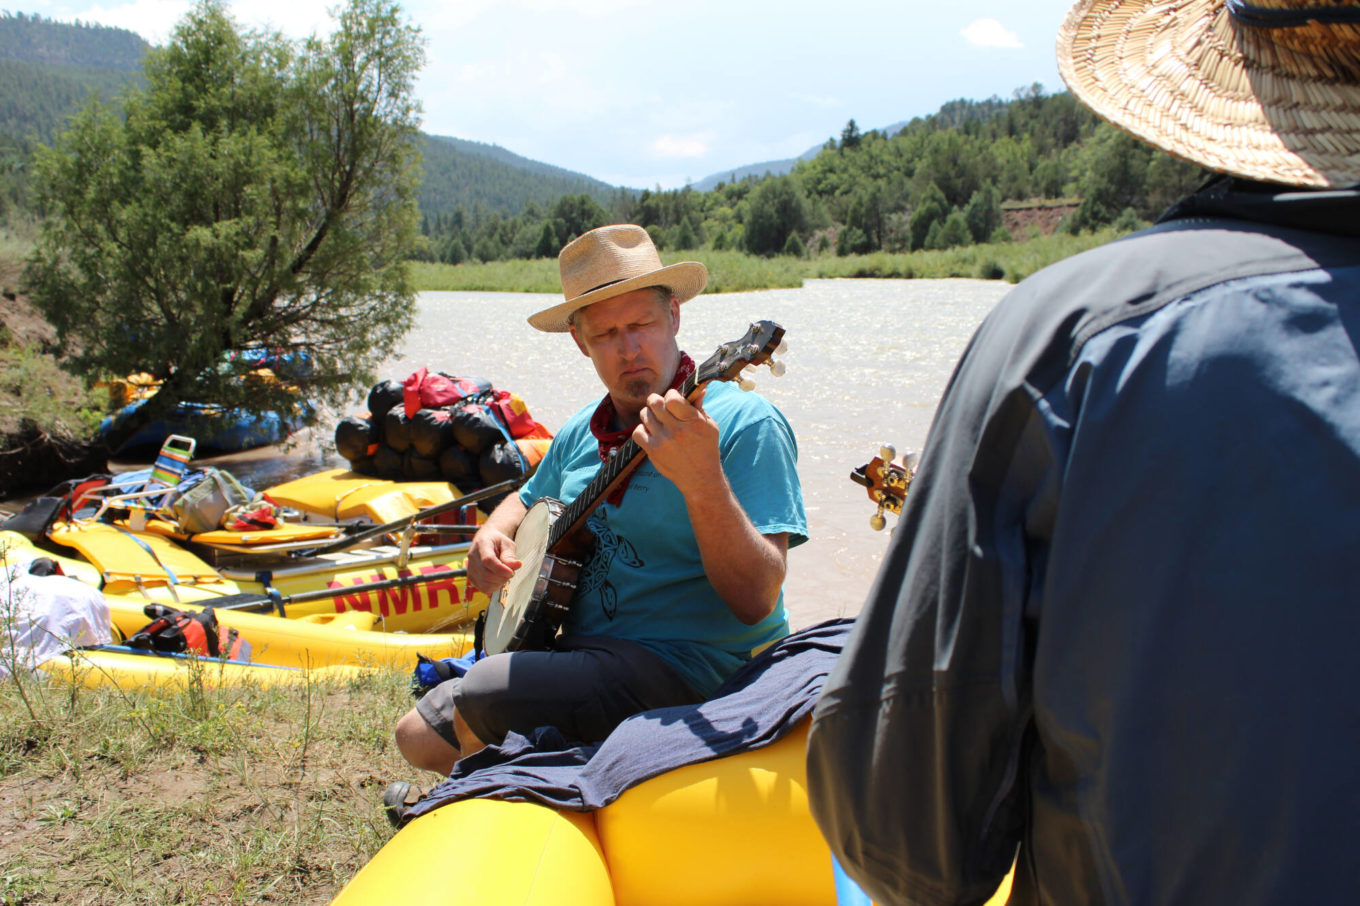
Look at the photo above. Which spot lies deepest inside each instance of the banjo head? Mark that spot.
(517, 601)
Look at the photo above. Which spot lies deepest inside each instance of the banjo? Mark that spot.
(552, 540)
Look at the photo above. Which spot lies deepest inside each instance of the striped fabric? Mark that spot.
(173, 460)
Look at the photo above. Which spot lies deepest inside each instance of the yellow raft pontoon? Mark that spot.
(733, 831)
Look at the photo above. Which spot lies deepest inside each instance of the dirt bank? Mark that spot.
(34, 455)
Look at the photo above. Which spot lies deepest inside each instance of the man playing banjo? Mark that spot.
(685, 576)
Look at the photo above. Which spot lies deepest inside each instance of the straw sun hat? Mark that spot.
(610, 261)
(1268, 89)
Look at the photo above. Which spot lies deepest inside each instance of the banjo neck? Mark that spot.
(615, 469)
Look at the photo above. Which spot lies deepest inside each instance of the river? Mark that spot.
(866, 363)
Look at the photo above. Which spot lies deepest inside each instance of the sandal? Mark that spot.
(400, 796)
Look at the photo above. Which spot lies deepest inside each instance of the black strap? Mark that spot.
(1273, 17)
(211, 633)
(479, 635)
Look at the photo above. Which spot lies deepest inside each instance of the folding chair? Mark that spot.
(173, 460)
(153, 497)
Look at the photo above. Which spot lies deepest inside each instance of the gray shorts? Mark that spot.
(584, 689)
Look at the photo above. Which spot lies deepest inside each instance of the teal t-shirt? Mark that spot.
(645, 581)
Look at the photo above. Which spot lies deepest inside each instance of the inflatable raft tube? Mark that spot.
(156, 567)
(308, 642)
(340, 495)
(728, 832)
(128, 668)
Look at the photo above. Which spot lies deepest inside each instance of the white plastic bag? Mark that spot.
(42, 617)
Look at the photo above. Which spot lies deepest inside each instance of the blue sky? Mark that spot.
(647, 94)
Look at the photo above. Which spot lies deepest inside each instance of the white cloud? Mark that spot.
(990, 33)
(682, 145)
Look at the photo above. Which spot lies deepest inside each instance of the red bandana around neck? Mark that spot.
(606, 416)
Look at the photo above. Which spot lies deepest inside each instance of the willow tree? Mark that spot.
(257, 194)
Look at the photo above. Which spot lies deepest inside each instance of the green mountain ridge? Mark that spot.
(458, 172)
(49, 70)
(33, 39)
(951, 113)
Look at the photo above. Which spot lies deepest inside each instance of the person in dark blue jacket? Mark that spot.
(1112, 642)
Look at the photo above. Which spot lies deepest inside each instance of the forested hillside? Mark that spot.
(472, 174)
(33, 39)
(49, 70)
(937, 182)
(36, 99)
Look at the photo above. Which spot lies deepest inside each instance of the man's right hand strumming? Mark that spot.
(491, 560)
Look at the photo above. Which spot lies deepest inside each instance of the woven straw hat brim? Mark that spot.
(686, 279)
(1182, 76)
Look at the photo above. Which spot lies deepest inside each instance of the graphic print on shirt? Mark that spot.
(608, 547)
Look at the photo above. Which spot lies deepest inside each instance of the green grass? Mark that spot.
(17, 241)
(739, 272)
(196, 796)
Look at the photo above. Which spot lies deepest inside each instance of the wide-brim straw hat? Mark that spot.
(612, 260)
(1269, 90)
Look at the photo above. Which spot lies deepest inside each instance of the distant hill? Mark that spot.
(952, 113)
(33, 39)
(754, 171)
(460, 172)
(48, 70)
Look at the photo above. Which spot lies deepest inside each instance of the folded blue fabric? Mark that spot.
(758, 705)
(430, 672)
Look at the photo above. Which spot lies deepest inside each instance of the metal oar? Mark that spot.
(262, 603)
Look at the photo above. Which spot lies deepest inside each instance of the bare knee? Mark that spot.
(422, 746)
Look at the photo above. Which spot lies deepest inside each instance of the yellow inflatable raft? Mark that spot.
(128, 669)
(158, 568)
(733, 831)
(307, 642)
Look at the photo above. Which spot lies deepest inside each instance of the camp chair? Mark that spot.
(153, 498)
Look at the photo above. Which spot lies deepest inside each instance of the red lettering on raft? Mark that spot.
(397, 601)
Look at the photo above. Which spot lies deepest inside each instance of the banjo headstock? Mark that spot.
(887, 482)
(758, 346)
